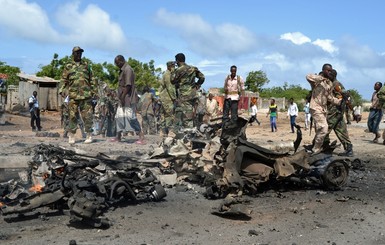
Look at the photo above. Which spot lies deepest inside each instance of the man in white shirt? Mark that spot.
(212, 107)
(35, 111)
(234, 88)
(293, 113)
(357, 113)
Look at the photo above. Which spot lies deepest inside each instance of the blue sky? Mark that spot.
(286, 39)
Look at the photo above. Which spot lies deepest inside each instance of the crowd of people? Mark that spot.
(182, 103)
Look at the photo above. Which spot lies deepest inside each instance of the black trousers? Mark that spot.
(232, 107)
(35, 117)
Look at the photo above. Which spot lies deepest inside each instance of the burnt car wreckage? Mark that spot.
(63, 179)
(218, 157)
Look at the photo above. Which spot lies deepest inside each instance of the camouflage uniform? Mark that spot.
(65, 120)
(321, 96)
(186, 102)
(78, 83)
(167, 97)
(108, 106)
(381, 100)
(336, 121)
(147, 112)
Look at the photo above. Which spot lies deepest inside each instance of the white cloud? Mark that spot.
(207, 40)
(91, 26)
(295, 37)
(299, 39)
(26, 20)
(326, 45)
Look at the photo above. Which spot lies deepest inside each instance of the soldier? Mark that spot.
(147, 111)
(65, 119)
(321, 95)
(375, 113)
(201, 108)
(336, 120)
(186, 101)
(78, 82)
(108, 104)
(167, 96)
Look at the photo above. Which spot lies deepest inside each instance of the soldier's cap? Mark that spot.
(77, 48)
(170, 63)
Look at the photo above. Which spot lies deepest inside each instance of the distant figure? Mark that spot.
(306, 109)
(292, 112)
(234, 87)
(348, 109)
(212, 108)
(254, 111)
(273, 112)
(201, 108)
(375, 113)
(357, 113)
(147, 111)
(35, 111)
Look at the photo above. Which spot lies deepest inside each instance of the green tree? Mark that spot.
(145, 73)
(356, 97)
(11, 71)
(287, 91)
(255, 80)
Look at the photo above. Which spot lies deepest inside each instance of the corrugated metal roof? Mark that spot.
(3, 76)
(34, 78)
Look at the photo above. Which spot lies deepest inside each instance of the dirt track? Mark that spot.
(354, 215)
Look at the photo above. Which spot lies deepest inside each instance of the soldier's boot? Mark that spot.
(348, 152)
(71, 138)
(88, 139)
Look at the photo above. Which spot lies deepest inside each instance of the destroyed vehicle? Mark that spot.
(247, 165)
(85, 186)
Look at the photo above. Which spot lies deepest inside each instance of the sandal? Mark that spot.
(140, 142)
(115, 140)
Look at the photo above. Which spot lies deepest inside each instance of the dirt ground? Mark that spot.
(353, 215)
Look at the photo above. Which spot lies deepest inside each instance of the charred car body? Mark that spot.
(62, 179)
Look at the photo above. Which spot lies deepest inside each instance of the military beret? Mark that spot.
(77, 48)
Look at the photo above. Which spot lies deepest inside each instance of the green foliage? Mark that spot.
(54, 69)
(356, 97)
(287, 91)
(145, 73)
(255, 80)
(11, 71)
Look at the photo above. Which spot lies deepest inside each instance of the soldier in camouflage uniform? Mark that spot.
(108, 105)
(336, 120)
(65, 119)
(79, 85)
(186, 102)
(321, 95)
(147, 112)
(167, 98)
